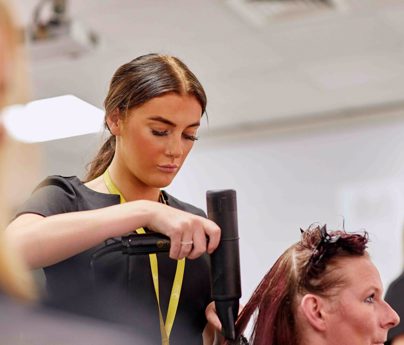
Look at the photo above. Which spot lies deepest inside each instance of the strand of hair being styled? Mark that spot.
(271, 304)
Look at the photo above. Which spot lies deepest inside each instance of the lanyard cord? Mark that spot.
(165, 328)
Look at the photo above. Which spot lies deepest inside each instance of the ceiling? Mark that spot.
(317, 62)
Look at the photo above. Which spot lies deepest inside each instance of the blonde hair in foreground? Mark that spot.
(16, 90)
(15, 280)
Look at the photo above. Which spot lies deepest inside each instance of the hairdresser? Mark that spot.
(153, 111)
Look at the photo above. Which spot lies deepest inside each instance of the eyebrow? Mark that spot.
(170, 123)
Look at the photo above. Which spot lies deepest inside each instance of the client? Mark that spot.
(323, 290)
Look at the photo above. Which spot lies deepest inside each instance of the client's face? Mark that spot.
(359, 315)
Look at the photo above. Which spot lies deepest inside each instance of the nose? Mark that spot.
(391, 318)
(174, 147)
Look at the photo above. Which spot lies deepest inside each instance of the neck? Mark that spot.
(129, 186)
(312, 338)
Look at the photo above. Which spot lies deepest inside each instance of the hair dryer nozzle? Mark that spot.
(227, 312)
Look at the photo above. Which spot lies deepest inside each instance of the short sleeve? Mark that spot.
(54, 195)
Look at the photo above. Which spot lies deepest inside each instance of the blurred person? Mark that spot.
(22, 320)
(153, 111)
(323, 290)
(395, 297)
(14, 278)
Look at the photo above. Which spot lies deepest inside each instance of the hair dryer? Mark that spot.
(225, 260)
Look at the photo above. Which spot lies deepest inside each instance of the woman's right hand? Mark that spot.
(190, 235)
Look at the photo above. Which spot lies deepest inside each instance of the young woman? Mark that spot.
(323, 290)
(153, 110)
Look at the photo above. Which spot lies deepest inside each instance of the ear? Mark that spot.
(312, 307)
(114, 121)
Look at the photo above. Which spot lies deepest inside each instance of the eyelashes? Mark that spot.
(190, 137)
(165, 133)
(159, 133)
(370, 299)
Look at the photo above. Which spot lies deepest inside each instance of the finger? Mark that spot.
(199, 246)
(186, 248)
(187, 244)
(211, 316)
(213, 231)
(175, 245)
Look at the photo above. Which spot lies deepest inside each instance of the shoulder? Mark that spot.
(181, 205)
(61, 194)
(55, 194)
(67, 183)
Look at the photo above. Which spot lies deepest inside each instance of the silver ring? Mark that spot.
(187, 243)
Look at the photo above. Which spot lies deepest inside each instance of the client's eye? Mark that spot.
(370, 299)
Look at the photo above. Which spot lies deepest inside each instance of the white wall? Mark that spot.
(291, 177)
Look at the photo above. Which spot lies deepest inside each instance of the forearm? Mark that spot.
(46, 241)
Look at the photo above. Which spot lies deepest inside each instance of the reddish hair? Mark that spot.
(305, 267)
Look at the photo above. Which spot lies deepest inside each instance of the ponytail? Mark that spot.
(102, 160)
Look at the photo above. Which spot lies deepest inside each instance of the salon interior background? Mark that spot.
(306, 109)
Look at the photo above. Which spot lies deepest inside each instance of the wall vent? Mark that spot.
(263, 12)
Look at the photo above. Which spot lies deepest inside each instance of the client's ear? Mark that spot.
(312, 307)
(113, 121)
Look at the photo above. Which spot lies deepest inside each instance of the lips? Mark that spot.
(168, 168)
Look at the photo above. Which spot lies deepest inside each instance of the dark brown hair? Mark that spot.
(308, 266)
(137, 82)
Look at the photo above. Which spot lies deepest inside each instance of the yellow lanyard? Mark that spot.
(165, 328)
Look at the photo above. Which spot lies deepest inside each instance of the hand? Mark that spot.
(214, 324)
(190, 235)
(212, 332)
(398, 340)
(212, 318)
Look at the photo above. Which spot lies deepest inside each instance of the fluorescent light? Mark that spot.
(52, 118)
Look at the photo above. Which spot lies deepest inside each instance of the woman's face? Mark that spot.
(358, 315)
(156, 137)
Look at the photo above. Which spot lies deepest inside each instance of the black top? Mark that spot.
(119, 287)
(395, 297)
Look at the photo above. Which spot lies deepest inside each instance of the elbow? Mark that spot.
(20, 246)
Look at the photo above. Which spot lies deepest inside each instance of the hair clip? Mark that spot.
(321, 248)
(326, 237)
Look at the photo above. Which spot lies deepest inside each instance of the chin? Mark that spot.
(161, 183)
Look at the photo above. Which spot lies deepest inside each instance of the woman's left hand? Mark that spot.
(211, 316)
(214, 327)
(212, 333)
